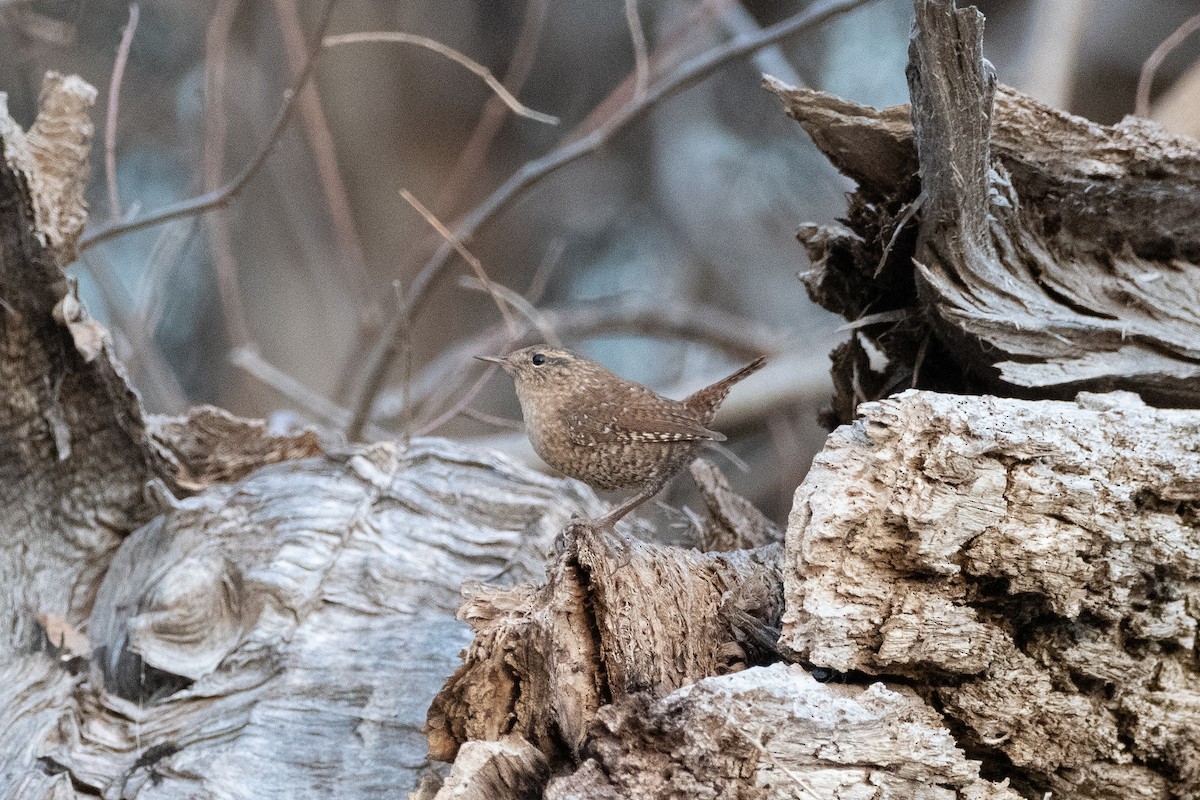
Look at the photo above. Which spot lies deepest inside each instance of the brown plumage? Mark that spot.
(608, 432)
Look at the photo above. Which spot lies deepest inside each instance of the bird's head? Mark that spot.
(542, 366)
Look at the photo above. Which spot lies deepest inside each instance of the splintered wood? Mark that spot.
(1032, 568)
(774, 732)
(616, 617)
(1000, 243)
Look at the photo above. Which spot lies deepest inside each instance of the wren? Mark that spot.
(609, 432)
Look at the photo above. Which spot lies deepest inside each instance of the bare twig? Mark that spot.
(230, 190)
(641, 67)
(534, 171)
(351, 257)
(525, 308)
(450, 53)
(362, 412)
(467, 255)
(492, 419)
(770, 60)
(470, 164)
(1151, 65)
(405, 378)
(216, 129)
(541, 276)
(249, 360)
(110, 116)
(685, 39)
(463, 401)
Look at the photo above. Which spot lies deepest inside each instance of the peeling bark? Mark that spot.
(1033, 568)
(1006, 247)
(616, 617)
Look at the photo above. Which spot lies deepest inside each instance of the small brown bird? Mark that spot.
(606, 431)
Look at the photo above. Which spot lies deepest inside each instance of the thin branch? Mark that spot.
(463, 401)
(1151, 65)
(216, 130)
(249, 360)
(541, 276)
(466, 171)
(110, 117)
(688, 74)
(491, 419)
(641, 62)
(467, 255)
(450, 53)
(686, 38)
(351, 257)
(738, 21)
(224, 195)
(525, 308)
(406, 376)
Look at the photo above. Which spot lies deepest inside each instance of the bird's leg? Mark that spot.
(610, 519)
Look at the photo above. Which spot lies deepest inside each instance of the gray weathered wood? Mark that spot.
(774, 732)
(1045, 252)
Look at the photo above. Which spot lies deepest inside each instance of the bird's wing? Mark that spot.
(636, 417)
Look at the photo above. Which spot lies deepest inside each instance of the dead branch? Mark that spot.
(231, 189)
(110, 113)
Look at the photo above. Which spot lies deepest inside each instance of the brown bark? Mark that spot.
(616, 617)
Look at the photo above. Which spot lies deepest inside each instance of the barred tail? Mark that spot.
(706, 401)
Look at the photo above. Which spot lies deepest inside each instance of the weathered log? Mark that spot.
(284, 634)
(1032, 568)
(615, 617)
(1013, 249)
(774, 732)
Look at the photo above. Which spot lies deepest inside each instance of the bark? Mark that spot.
(774, 732)
(1036, 254)
(1030, 568)
(616, 617)
(75, 458)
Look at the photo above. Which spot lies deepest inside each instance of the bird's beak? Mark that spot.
(503, 362)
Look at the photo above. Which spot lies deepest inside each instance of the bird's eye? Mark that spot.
(538, 359)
